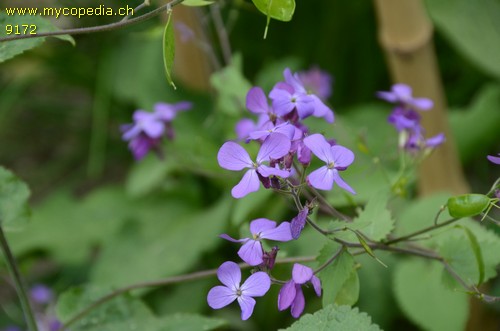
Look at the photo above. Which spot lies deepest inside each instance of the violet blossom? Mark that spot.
(229, 274)
(337, 158)
(232, 156)
(252, 251)
(147, 129)
(291, 295)
(298, 223)
(41, 294)
(401, 94)
(317, 82)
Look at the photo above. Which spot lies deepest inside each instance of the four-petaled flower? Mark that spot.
(232, 156)
(252, 252)
(291, 294)
(230, 275)
(337, 158)
(402, 94)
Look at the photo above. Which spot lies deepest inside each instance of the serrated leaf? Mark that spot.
(339, 279)
(375, 221)
(281, 10)
(343, 318)
(196, 3)
(425, 300)
(14, 195)
(474, 30)
(231, 86)
(169, 49)
(12, 48)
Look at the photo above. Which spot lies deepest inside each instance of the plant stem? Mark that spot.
(416, 233)
(10, 261)
(99, 28)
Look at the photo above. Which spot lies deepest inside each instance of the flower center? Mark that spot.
(238, 292)
(331, 165)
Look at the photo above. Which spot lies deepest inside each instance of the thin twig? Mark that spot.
(330, 260)
(416, 233)
(11, 264)
(146, 3)
(221, 33)
(99, 28)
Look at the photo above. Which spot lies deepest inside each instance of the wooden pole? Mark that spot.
(405, 33)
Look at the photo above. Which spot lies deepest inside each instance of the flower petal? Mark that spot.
(301, 273)
(320, 147)
(256, 101)
(280, 233)
(494, 159)
(246, 304)
(251, 252)
(342, 156)
(261, 224)
(229, 274)
(266, 171)
(275, 146)
(322, 110)
(316, 284)
(387, 96)
(227, 237)
(232, 156)
(402, 91)
(299, 303)
(256, 285)
(340, 182)
(286, 295)
(248, 184)
(322, 178)
(422, 103)
(220, 296)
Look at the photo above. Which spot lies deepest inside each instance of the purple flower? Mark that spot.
(291, 294)
(252, 252)
(317, 81)
(298, 223)
(232, 156)
(144, 122)
(286, 99)
(320, 109)
(268, 128)
(402, 94)
(256, 102)
(337, 158)
(41, 294)
(494, 159)
(166, 112)
(404, 119)
(230, 275)
(148, 128)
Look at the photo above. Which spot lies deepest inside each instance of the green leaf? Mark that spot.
(123, 313)
(14, 195)
(169, 49)
(168, 246)
(458, 254)
(147, 175)
(339, 279)
(196, 3)
(232, 87)
(189, 322)
(118, 314)
(473, 29)
(12, 48)
(423, 298)
(476, 249)
(281, 10)
(482, 111)
(375, 221)
(343, 318)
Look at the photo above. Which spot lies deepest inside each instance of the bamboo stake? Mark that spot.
(405, 34)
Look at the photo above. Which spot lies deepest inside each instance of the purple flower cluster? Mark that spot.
(148, 129)
(285, 143)
(282, 135)
(406, 118)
